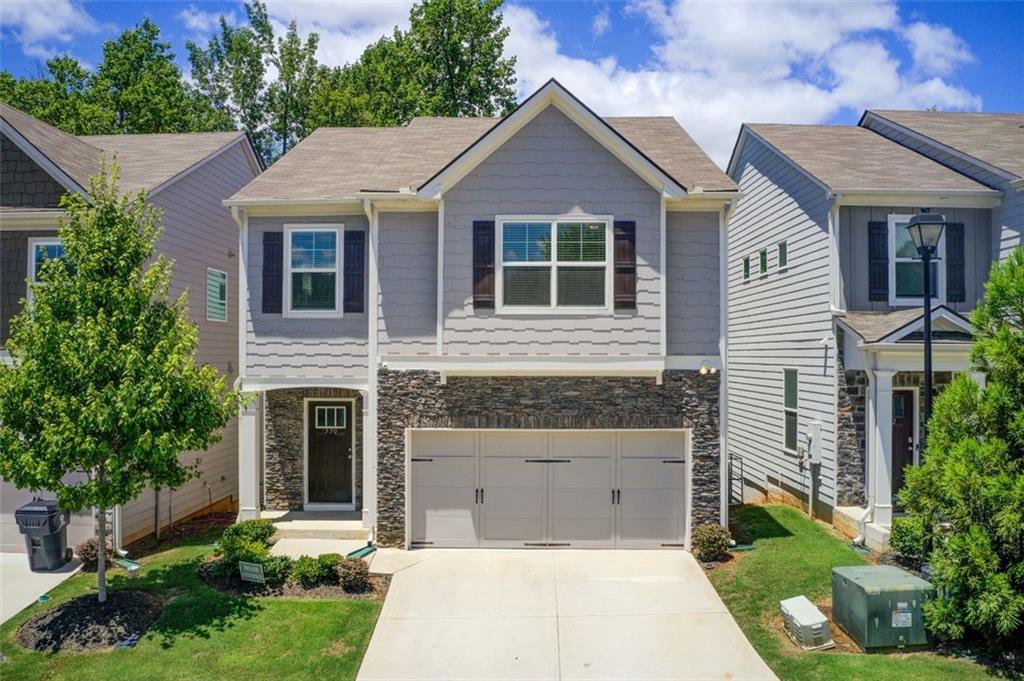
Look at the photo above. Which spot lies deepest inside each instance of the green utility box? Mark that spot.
(880, 606)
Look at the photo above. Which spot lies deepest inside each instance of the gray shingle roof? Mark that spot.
(874, 326)
(851, 158)
(995, 138)
(337, 163)
(146, 161)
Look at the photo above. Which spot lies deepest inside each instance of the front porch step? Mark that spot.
(317, 525)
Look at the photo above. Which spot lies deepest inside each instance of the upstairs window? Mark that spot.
(762, 261)
(783, 255)
(906, 271)
(40, 250)
(790, 399)
(554, 264)
(746, 268)
(313, 277)
(216, 295)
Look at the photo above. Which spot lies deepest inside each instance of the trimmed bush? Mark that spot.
(276, 569)
(238, 548)
(257, 530)
(354, 575)
(329, 565)
(89, 552)
(710, 542)
(310, 572)
(907, 538)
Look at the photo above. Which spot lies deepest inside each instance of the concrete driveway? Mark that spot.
(20, 587)
(492, 614)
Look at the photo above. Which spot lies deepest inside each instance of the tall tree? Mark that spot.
(144, 87)
(104, 380)
(62, 96)
(290, 95)
(459, 46)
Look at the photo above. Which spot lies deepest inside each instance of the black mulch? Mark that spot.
(84, 623)
(292, 589)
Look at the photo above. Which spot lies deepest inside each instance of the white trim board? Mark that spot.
(353, 427)
(264, 383)
(339, 271)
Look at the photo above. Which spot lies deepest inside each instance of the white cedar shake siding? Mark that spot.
(853, 253)
(693, 283)
(777, 321)
(407, 245)
(1007, 218)
(280, 347)
(550, 167)
(200, 233)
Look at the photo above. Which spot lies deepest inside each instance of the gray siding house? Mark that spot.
(487, 332)
(187, 176)
(825, 308)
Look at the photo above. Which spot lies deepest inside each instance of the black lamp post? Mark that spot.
(926, 231)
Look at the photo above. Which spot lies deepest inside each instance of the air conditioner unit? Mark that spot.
(805, 624)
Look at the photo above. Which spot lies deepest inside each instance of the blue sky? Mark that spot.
(711, 65)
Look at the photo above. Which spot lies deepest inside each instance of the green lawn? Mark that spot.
(794, 556)
(206, 634)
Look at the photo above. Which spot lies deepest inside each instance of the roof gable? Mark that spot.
(552, 94)
(899, 325)
(68, 159)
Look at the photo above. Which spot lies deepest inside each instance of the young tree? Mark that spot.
(104, 381)
(969, 490)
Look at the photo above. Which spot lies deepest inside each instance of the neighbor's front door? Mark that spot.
(902, 437)
(329, 439)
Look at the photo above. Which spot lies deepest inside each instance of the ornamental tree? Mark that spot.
(969, 490)
(104, 393)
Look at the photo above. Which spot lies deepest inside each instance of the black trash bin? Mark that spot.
(46, 534)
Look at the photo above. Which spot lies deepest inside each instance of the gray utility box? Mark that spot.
(880, 606)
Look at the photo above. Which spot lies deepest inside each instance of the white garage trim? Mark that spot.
(616, 460)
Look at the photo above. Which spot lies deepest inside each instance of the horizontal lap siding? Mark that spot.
(1007, 219)
(281, 347)
(778, 321)
(408, 283)
(550, 167)
(853, 252)
(693, 283)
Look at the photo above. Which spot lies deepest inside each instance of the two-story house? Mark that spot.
(487, 332)
(186, 176)
(825, 307)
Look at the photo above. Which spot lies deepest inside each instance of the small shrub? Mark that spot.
(258, 530)
(235, 549)
(89, 552)
(354, 575)
(907, 538)
(276, 569)
(329, 565)
(310, 572)
(710, 542)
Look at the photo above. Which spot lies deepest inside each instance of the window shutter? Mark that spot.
(273, 266)
(625, 265)
(956, 287)
(355, 271)
(483, 264)
(878, 261)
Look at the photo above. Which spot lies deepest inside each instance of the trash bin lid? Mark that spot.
(38, 507)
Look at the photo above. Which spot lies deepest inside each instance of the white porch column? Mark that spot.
(248, 462)
(881, 446)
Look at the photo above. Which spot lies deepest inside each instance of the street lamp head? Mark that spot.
(926, 230)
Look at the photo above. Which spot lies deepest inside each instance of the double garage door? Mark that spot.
(581, 489)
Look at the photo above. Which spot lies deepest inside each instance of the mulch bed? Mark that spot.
(293, 590)
(83, 623)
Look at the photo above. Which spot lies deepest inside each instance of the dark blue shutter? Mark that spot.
(878, 261)
(273, 267)
(355, 271)
(956, 287)
(483, 264)
(625, 264)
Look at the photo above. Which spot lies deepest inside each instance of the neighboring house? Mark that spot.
(825, 309)
(187, 176)
(488, 332)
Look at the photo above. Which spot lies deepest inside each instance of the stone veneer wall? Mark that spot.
(412, 399)
(851, 468)
(283, 483)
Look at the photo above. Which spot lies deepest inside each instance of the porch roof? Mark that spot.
(874, 327)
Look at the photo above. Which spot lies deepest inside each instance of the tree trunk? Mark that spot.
(101, 565)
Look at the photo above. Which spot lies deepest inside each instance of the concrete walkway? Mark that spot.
(20, 587)
(493, 614)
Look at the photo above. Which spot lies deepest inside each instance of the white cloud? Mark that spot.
(602, 22)
(203, 22)
(42, 27)
(936, 49)
(715, 66)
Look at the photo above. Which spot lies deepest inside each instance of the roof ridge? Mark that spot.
(40, 121)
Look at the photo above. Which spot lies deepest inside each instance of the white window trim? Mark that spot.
(227, 295)
(553, 309)
(339, 270)
(786, 410)
(33, 242)
(940, 255)
(778, 245)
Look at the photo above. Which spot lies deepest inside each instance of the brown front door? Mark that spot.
(902, 437)
(329, 438)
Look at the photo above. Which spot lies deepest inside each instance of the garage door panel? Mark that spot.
(443, 505)
(514, 507)
(513, 444)
(651, 511)
(582, 445)
(446, 472)
(652, 444)
(581, 512)
(444, 443)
